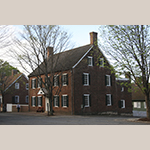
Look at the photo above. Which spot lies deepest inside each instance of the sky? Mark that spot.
(79, 37)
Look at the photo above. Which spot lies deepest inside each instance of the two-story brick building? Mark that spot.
(88, 84)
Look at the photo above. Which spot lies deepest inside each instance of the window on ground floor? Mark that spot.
(33, 101)
(109, 101)
(86, 100)
(56, 101)
(39, 101)
(64, 100)
(122, 104)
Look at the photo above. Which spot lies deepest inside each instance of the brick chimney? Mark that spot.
(93, 38)
(49, 51)
(14, 72)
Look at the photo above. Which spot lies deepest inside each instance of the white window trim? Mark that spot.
(55, 100)
(88, 96)
(64, 74)
(39, 80)
(109, 80)
(32, 82)
(122, 89)
(144, 105)
(38, 101)
(87, 79)
(15, 98)
(123, 103)
(89, 57)
(102, 59)
(54, 80)
(16, 85)
(27, 84)
(109, 99)
(26, 99)
(138, 104)
(135, 104)
(63, 99)
(32, 100)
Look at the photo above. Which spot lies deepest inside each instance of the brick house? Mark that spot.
(88, 85)
(16, 90)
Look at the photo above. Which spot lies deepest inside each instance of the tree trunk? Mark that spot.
(50, 113)
(147, 105)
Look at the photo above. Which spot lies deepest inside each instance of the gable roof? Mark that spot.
(11, 80)
(65, 60)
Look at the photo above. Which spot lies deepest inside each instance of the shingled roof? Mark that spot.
(64, 60)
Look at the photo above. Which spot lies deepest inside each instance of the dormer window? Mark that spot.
(101, 62)
(90, 61)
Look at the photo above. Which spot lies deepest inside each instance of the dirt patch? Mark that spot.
(144, 119)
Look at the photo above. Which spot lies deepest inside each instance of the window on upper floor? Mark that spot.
(122, 89)
(86, 79)
(64, 79)
(107, 80)
(56, 80)
(64, 100)
(109, 101)
(101, 62)
(16, 85)
(27, 86)
(39, 82)
(33, 83)
(86, 100)
(56, 101)
(90, 61)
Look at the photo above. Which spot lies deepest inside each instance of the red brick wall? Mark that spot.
(21, 92)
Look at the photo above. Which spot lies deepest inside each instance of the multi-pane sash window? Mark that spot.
(64, 100)
(33, 83)
(122, 104)
(86, 100)
(16, 85)
(56, 80)
(27, 99)
(39, 101)
(138, 104)
(39, 82)
(27, 86)
(109, 99)
(65, 79)
(33, 101)
(101, 62)
(16, 99)
(86, 79)
(90, 61)
(56, 101)
(144, 105)
(107, 80)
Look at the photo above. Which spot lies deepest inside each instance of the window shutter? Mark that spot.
(105, 80)
(110, 80)
(35, 83)
(67, 101)
(35, 99)
(53, 80)
(111, 100)
(83, 79)
(90, 100)
(87, 61)
(106, 99)
(58, 101)
(67, 79)
(41, 100)
(119, 104)
(83, 101)
(13, 99)
(58, 79)
(62, 101)
(31, 101)
(31, 84)
(89, 79)
(62, 79)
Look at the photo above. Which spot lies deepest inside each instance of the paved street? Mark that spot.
(43, 119)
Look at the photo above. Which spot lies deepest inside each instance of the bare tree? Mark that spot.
(38, 51)
(129, 46)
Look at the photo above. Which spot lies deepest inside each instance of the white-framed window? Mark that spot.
(39, 101)
(86, 79)
(108, 80)
(144, 104)
(39, 82)
(108, 99)
(16, 85)
(90, 61)
(122, 104)
(56, 80)
(86, 100)
(138, 104)
(33, 101)
(101, 62)
(122, 89)
(0, 100)
(65, 79)
(27, 99)
(64, 101)
(27, 86)
(16, 99)
(135, 104)
(33, 83)
(56, 101)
